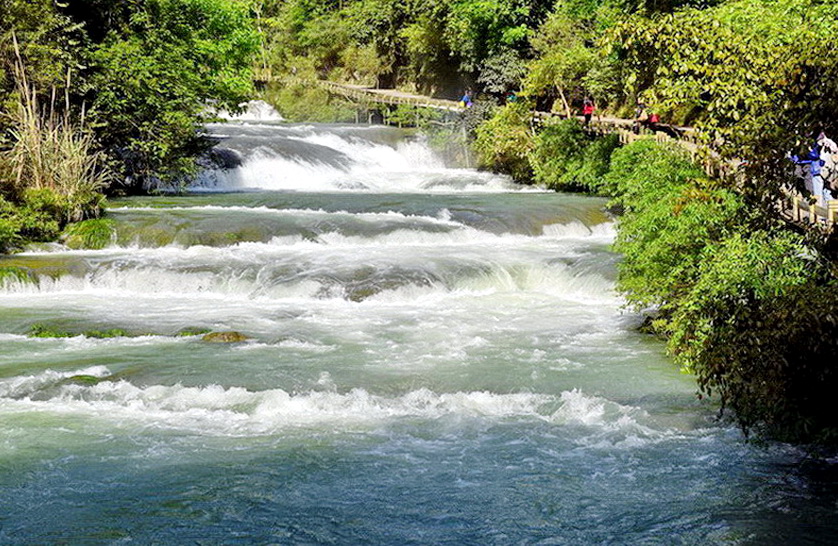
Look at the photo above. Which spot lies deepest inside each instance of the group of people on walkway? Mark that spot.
(821, 177)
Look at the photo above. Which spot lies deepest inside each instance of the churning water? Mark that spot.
(434, 356)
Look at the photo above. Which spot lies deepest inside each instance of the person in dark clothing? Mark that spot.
(641, 117)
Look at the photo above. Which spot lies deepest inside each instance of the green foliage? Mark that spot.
(155, 74)
(300, 102)
(36, 215)
(566, 158)
(564, 60)
(672, 212)
(751, 312)
(440, 46)
(413, 116)
(146, 68)
(760, 329)
(757, 77)
(90, 234)
(10, 226)
(46, 331)
(49, 45)
(504, 142)
(82, 379)
(50, 151)
(479, 29)
(16, 275)
(596, 163)
(502, 72)
(104, 334)
(428, 56)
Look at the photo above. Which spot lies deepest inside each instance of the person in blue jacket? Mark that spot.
(813, 159)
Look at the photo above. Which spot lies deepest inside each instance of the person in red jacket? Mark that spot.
(588, 110)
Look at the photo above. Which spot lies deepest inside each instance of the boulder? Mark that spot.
(225, 337)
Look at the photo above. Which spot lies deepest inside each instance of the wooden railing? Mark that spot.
(389, 96)
(794, 207)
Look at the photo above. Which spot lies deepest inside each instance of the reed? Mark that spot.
(53, 151)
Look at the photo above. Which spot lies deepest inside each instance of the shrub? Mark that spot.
(51, 151)
(91, 234)
(596, 163)
(671, 213)
(304, 102)
(558, 155)
(505, 141)
(9, 226)
(760, 329)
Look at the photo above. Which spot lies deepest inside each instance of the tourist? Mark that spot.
(588, 110)
(654, 119)
(829, 158)
(465, 102)
(813, 159)
(641, 117)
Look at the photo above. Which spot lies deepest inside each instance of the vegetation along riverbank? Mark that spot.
(102, 97)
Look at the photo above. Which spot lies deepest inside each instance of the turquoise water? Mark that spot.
(433, 356)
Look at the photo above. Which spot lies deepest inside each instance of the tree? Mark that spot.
(156, 73)
(760, 330)
(505, 141)
(563, 62)
(756, 77)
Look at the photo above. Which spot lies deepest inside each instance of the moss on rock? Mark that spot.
(90, 234)
(225, 337)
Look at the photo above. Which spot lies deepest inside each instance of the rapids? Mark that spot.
(434, 355)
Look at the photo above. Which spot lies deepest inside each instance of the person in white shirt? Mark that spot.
(829, 159)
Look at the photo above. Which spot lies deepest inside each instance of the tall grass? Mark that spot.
(52, 151)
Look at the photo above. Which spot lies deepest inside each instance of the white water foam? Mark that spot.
(463, 261)
(254, 110)
(410, 166)
(443, 219)
(235, 411)
(605, 232)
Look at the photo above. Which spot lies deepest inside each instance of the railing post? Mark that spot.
(832, 210)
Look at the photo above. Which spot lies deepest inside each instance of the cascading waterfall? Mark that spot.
(433, 355)
(348, 158)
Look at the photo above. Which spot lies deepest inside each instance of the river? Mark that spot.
(434, 355)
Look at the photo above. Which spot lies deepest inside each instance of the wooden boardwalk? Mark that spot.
(794, 207)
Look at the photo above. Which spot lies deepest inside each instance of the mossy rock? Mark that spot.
(225, 337)
(46, 330)
(84, 379)
(103, 334)
(90, 234)
(192, 331)
(15, 274)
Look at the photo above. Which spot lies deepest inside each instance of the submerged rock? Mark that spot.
(83, 379)
(225, 337)
(221, 158)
